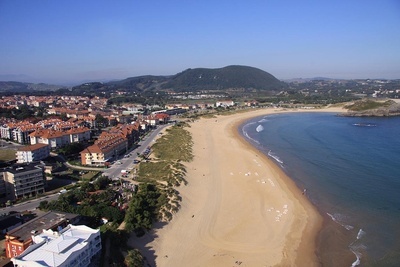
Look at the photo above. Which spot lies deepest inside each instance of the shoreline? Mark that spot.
(239, 207)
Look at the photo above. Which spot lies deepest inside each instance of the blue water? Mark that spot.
(351, 170)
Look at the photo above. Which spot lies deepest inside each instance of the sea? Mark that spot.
(350, 169)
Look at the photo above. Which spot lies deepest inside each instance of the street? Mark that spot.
(29, 205)
(127, 163)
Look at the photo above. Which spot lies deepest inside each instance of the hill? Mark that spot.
(230, 77)
(371, 108)
(199, 79)
(26, 87)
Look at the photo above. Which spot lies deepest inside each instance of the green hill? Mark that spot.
(230, 77)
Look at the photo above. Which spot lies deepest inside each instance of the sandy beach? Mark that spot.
(238, 209)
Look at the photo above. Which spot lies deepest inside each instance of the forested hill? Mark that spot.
(224, 78)
(199, 79)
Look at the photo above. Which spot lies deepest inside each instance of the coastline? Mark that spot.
(239, 207)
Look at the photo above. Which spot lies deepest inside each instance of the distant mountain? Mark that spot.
(141, 83)
(303, 80)
(27, 87)
(230, 77)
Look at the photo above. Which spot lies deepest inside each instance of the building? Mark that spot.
(24, 180)
(20, 238)
(225, 104)
(32, 153)
(73, 246)
(9, 221)
(59, 138)
(104, 150)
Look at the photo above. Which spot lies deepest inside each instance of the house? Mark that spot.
(225, 104)
(32, 153)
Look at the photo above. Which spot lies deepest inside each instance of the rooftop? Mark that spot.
(55, 248)
(20, 168)
(47, 221)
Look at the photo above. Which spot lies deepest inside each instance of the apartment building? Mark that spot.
(59, 138)
(32, 153)
(23, 180)
(74, 246)
(104, 149)
(19, 239)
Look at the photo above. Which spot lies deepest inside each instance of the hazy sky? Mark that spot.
(73, 40)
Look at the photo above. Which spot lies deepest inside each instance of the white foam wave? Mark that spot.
(263, 120)
(360, 234)
(259, 128)
(248, 137)
(338, 218)
(275, 157)
(356, 250)
(364, 124)
(358, 258)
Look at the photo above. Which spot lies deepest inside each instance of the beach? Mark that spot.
(238, 209)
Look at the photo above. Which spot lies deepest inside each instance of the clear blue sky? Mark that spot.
(73, 40)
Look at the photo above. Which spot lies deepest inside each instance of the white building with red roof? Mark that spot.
(32, 153)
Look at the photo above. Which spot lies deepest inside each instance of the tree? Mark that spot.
(134, 258)
(101, 121)
(143, 208)
(63, 117)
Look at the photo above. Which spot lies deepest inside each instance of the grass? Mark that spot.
(89, 176)
(175, 145)
(368, 104)
(7, 154)
(166, 168)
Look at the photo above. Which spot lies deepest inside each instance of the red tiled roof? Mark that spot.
(32, 147)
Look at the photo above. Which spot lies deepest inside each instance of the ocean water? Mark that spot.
(351, 170)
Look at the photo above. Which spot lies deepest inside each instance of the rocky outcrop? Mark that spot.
(384, 111)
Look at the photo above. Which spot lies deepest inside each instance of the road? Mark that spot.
(126, 163)
(29, 205)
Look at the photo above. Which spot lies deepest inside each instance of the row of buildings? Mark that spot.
(47, 135)
(54, 132)
(26, 178)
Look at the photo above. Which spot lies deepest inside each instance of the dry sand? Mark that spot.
(239, 208)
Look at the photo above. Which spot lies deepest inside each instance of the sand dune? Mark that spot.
(239, 208)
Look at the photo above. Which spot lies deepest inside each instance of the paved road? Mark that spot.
(29, 205)
(114, 172)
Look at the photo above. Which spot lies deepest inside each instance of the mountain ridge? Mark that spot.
(197, 79)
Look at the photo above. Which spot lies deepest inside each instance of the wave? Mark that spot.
(356, 247)
(263, 120)
(339, 219)
(358, 258)
(244, 132)
(364, 124)
(360, 234)
(259, 128)
(275, 157)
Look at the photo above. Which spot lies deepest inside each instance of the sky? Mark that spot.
(72, 41)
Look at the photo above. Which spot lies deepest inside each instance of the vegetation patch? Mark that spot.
(7, 154)
(363, 105)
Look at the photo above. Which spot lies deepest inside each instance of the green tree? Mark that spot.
(134, 258)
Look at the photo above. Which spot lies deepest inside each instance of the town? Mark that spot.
(77, 157)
